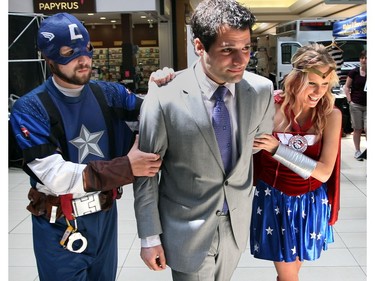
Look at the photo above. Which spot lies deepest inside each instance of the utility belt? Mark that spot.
(54, 208)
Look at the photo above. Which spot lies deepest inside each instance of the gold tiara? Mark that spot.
(317, 72)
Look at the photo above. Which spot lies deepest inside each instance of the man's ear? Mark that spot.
(49, 63)
(199, 48)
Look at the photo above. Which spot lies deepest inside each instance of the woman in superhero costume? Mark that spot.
(296, 200)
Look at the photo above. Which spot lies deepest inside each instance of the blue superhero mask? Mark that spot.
(60, 30)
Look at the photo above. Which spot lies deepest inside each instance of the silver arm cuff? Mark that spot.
(296, 161)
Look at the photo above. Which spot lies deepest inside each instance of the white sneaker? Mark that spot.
(357, 155)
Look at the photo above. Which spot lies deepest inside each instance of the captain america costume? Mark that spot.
(89, 136)
(75, 147)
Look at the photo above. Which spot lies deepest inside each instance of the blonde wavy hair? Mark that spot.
(307, 57)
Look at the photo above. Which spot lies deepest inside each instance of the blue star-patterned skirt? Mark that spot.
(284, 227)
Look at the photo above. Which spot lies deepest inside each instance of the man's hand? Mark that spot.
(154, 258)
(162, 76)
(143, 164)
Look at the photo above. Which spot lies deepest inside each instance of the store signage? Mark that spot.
(355, 27)
(75, 6)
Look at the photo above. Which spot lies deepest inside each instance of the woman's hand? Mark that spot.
(266, 142)
(162, 76)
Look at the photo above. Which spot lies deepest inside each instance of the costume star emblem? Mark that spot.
(269, 230)
(267, 192)
(87, 143)
(294, 250)
(259, 211)
(277, 210)
(256, 193)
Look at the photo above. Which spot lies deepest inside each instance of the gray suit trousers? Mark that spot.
(221, 260)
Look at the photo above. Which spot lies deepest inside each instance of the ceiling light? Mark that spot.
(90, 14)
(103, 18)
(113, 21)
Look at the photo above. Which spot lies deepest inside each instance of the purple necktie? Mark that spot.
(223, 131)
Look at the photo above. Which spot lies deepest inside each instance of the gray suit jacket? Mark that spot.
(182, 207)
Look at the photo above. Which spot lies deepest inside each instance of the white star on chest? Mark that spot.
(87, 143)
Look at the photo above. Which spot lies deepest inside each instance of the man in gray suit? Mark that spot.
(195, 217)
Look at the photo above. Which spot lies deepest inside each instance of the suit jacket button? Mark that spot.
(226, 183)
(218, 213)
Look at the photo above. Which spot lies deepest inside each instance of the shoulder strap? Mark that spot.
(57, 127)
(106, 110)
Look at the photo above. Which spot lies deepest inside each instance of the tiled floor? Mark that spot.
(346, 259)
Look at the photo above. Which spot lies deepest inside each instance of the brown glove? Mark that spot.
(37, 205)
(106, 175)
(106, 200)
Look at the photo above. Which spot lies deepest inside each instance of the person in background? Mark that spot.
(195, 217)
(356, 94)
(296, 199)
(78, 152)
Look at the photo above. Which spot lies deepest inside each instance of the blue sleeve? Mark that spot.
(31, 127)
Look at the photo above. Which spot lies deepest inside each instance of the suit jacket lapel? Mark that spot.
(193, 100)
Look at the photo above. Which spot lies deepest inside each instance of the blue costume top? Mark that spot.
(85, 128)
